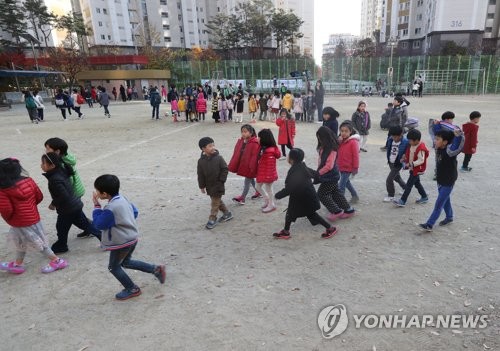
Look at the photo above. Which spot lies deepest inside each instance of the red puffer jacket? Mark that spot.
(245, 158)
(18, 203)
(287, 131)
(201, 104)
(266, 170)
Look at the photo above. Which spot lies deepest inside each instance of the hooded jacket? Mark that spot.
(286, 134)
(63, 197)
(361, 122)
(75, 179)
(212, 174)
(201, 104)
(348, 154)
(245, 158)
(266, 169)
(18, 203)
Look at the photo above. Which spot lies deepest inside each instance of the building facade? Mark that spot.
(371, 17)
(426, 26)
(349, 40)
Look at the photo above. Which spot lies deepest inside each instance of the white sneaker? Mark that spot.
(388, 199)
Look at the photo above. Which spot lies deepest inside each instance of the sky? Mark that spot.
(332, 17)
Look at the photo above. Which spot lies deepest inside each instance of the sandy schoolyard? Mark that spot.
(234, 287)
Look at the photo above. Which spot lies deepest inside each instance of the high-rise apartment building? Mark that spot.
(425, 26)
(335, 39)
(371, 17)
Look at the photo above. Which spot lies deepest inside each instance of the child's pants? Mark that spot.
(266, 189)
(216, 206)
(331, 198)
(362, 141)
(123, 258)
(394, 176)
(64, 223)
(413, 180)
(346, 183)
(283, 150)
(246, 186)
(223, 115)
(314, 219)
(443, 201)
(467, 159)
(263, 115)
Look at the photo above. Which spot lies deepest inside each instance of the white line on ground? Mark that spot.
(128, 147)
(18, 131)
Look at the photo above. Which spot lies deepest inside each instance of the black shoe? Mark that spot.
(84, 235)
(446, 221)
(58, 248)
(283, 234)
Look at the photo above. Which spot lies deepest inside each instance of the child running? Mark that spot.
(19, 197)
(448, 145)
(244, 161)
(266, 169)
(118, 221)
(328, 176)
(470, 134)
(286, 134)
(303, 201)
(361, 120)
(68, 205)
(396, 149)
(60, 147)
(348, 159)
(416, 159)
(212, 174)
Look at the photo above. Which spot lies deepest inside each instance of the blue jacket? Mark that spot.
(401, 151)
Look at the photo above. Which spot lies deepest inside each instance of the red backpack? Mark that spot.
(79, 99)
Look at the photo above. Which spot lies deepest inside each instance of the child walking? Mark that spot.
(348, 159)
(118, 221)
(416, 158)
(223, 114)
(298, 107)
(174, 107)
(191, 109)
(470, 134)
(328, 176)
(275, 104)
(286, 134)
(244, 161)
(266, 169)
(361, 120)
(60, 147)
(19, 197)
(263, 100)
(212, 174)
(239, 108)
(397, 144)
(68, 206)
(182, 104)
(252, 107)
(303, 200)
(448, 145)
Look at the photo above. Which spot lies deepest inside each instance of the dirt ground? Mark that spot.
(235, 288)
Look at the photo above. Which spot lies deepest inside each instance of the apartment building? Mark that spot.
(335, 39)
(371, 17)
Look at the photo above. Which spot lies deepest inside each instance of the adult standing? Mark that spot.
(319, 97)
(123, 95)
(155, 100)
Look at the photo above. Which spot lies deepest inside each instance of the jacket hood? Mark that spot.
(18, 192)
(208, 157)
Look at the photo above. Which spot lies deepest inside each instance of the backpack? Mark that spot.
(59, 102)
(79, 99)
(30, 103)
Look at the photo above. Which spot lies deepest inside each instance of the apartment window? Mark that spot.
(406, 19)
(405, 32)
(109, 37)
(202, 20)
(488, 29)
(180, 29)
(119, 15)
(493, 2)
(164, 14)
(201, 9)
(420, 2)
(163, 2)
(490, 16)
(416, 44)
(179, 5)
(121, 27)
(418, 31)
(166, 27)
(218, 9)
(167, 39)
(98, 10)
(100, 24)
(404, 45)
(104, 11)
(103, 37)
(179, 17)
(419, 17)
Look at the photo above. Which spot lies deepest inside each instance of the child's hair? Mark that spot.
(203, 142)
(296, 95)
(414, 134)
(261, 95)
(360, 103)
(326, 140)
(10, 172)
(474, 115)
(395, 130)
(214, 95)
(107, 183)
(57, 144)
(75, 90)
(249, 128)
(266, 138)
(288, 92)
(348, 125)
(447, 115)
(330, 111)
(57, 161)
(288, 116)
(390, 104)
(296, 155)
(444, 134)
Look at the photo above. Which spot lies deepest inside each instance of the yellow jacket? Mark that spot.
(252, 105)
(182, 105)
(287, 101)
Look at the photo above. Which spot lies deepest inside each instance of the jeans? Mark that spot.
(246, 186)
(283, 150)
(123, 258)
(320, 112)
(216, 205)
(394, 176)
(413, 180)
(263, 115)
(443, 201)
(106, 111)
(77, 218)
(77, 110)
(40, 114)
(344, 183)
(156, 111)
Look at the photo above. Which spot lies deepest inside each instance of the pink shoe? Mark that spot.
(12, 267)
(55, 266)
(345, 215)
(269, 209)
(266, 203)
(332, 217)
(239, 200)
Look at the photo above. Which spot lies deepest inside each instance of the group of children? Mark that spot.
(114, 225)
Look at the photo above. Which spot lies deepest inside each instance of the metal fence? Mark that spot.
(443, 74)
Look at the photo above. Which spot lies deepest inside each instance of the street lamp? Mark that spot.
(392, 42)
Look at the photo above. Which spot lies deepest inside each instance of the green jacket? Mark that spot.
(76, 182)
